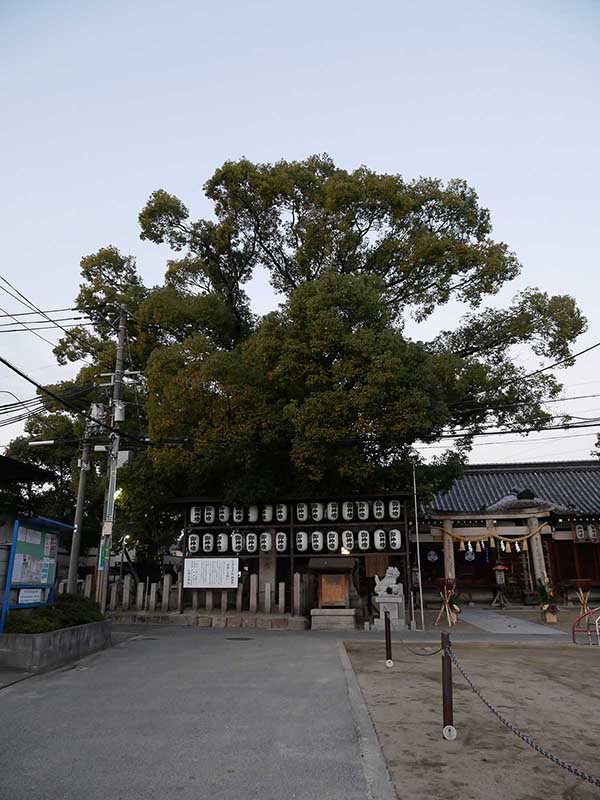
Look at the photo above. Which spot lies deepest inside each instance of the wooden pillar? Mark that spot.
(537, 552)
(449, 565)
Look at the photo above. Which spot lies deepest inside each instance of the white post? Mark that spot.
(253, 593)
(126, 593)
(224, 601)
(239, 594)
(297, 603)
(114, 588)
(152, 600)
(87, 591)
(139, 598)
(209, 600)
(281, 598)
(418, 547)
(166, 592)
(267, 598)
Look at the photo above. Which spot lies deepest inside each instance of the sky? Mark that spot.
(102, 103)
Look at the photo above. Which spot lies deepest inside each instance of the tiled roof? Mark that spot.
(570, 484)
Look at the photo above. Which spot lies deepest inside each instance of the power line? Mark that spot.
(67, 404)
(39, 336)
(29, 304)
(508, 441)
(31, 313)
(45, 328)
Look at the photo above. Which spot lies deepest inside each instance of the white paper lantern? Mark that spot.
(251, 542)
(193, 543)
(208, 542)
(395, 509)
(333, 541)
(333, 511)
(196, 515)
(223, 513)
(316, 512)
(362, 510)
(348, 510)
(252, 513)
(281, 542)
(379, 539)
(316, 541)
(266, 514)
(363, 540)
(209, 514)
(302, 512)
(592, 533)
(379, 509)
(301, 541)
(281, 512)
(266, 542)
(348, 540)
(237, 542)
(580, 531)
(238, 514)
(222, 542)
(395, 538)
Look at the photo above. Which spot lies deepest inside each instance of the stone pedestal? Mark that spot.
(395, 605)
(333, 619)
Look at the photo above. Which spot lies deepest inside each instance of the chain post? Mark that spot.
(448, 731)
(389, 662)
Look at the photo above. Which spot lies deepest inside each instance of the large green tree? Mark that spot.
(329, 392)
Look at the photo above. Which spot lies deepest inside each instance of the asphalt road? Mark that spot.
(185, 713)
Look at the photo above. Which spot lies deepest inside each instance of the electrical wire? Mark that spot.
(29, 304)
(68, 404)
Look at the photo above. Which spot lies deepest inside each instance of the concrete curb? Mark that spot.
(379, 782)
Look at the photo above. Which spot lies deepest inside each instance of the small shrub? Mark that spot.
(68, 610)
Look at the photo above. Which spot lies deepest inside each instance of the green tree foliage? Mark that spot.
(329, 392)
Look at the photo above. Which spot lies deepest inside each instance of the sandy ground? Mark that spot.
(566, 617)
(549, 691)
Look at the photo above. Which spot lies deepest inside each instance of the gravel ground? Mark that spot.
(550, 692)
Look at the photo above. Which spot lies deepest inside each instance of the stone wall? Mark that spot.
(38, 652)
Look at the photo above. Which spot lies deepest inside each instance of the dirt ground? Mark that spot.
(566, 617)
(549, 691)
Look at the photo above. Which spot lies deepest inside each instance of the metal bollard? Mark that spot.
(448, 731)
(388, 640)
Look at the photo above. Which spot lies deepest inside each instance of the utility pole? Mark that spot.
(84, 467)
(118, 416)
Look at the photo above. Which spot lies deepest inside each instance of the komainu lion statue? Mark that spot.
(388, 584)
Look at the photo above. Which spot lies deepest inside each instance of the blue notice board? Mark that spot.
(32, 564)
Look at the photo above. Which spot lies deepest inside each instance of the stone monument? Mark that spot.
(389, 596)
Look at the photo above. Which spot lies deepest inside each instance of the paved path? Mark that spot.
(178, 714)
(502, 622)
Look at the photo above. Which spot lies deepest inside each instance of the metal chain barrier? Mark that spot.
(523, 736)
(417, 653)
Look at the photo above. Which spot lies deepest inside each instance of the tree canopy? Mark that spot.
(329, 392)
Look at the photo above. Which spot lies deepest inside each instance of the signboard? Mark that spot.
(32, 564)
(28, 596)
(210, 573)
(35, 557)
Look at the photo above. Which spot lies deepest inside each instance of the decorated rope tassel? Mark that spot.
(525, 546)
(508, 548)
(478, 547)
(461, 546)
(492, 542)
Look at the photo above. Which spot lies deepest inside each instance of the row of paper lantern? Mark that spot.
(305, 512)
(316, 540)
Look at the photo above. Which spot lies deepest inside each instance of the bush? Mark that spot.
(68, 610)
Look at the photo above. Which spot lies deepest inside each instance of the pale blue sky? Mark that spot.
(104, 102)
